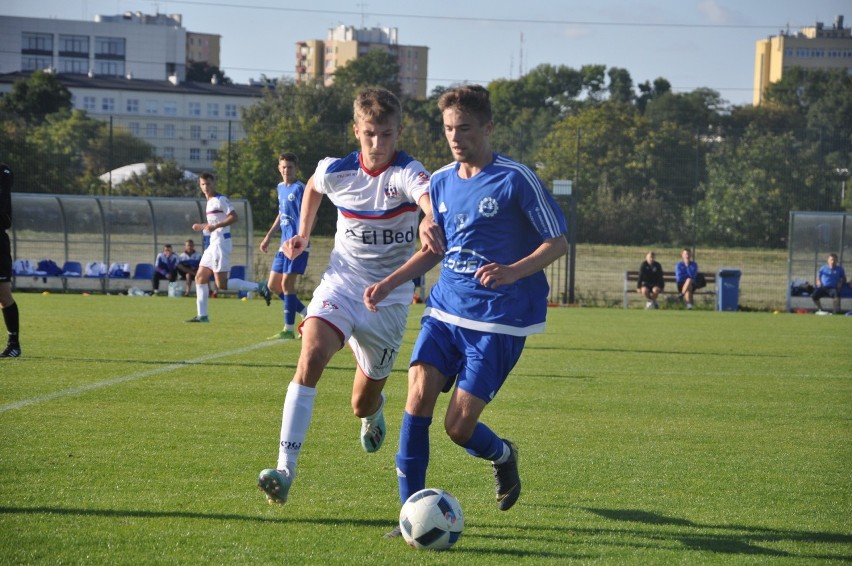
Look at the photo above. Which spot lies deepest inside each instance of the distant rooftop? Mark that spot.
(142, 85)
(175, 20)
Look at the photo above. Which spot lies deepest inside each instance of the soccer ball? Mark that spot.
(431, 519)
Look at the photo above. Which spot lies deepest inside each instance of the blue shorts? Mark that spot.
(283, 264)
(481, 360)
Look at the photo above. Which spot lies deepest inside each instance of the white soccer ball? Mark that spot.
(431, 519)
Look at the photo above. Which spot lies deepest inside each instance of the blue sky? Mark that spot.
(692, 43)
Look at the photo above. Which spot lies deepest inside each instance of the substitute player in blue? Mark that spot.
(284, 273)
(502, 229)
(830, 281)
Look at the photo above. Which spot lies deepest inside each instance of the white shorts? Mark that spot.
(217, 257)
(375, 337)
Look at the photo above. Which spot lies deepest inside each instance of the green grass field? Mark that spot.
(645, 437)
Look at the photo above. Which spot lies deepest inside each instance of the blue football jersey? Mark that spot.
(290, 207)
(500, 215)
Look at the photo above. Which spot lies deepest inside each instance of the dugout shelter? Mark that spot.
(75, 231)
(814, 235)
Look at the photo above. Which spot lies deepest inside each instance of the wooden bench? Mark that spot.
(632, 277)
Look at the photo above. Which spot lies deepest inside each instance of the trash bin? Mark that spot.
(728, 289)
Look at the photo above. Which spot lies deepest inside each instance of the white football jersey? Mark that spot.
(218, 208)
(377, 220)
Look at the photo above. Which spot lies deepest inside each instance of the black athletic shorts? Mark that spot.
(5, 258)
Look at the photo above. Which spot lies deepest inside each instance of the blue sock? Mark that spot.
(290, 309)
(283, 298)
(484, 443)
(292, 306)
(413, 456)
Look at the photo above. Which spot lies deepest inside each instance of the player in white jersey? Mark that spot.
(502, 229)
(216, 259)
(377, 191)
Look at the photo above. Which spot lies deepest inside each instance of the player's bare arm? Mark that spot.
(495, 274)
(421, 262)
(232, 217)
(431, 235)
(264, 244)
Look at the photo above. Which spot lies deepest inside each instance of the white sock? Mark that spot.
(202, 292)
(378, 412)
(506, 453)
(298, 409)
(242, 285)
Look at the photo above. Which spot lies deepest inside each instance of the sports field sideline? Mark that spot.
(645, 437)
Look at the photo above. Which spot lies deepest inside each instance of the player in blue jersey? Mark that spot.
(378, 192)
(502, 229)
(686, 277)
(284, 273)
(830, 280)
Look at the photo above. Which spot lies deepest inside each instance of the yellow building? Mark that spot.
(203, 48)
(816, 47)
(318, 59)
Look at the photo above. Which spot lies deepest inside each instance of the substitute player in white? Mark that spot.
(216, 259)
(502, 229)
(377, 191)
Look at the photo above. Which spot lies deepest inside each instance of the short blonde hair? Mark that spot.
(377, 104)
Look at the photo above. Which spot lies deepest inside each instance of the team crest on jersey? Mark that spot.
(291, 197)
(391, 192)
(329, 306)
(488, 207)
(422, 178)
(459, 221)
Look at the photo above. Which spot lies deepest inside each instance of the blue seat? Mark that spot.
(72, 269)
(237, 272)
(143, 271)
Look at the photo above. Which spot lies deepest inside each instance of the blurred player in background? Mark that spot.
(188, 261)
(285, 272)
(10, 307)
(216, 259)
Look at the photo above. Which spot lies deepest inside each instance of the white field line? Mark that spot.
(139, 375)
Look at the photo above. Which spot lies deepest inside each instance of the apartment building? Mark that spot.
(130, 69)
(187, 122)
(817, 47)
(319, 59)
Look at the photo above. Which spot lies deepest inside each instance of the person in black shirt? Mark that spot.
(651, 282)
(7, 302)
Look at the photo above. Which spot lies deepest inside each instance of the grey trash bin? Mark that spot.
(728, 289)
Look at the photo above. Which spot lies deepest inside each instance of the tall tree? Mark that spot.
(375, 68)
(529, 106)
(309, 120)
(200, 72)
(160, 179)
(36, 97)
(698, 110)
(620, 85)
(648, 92)
(616, 200)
